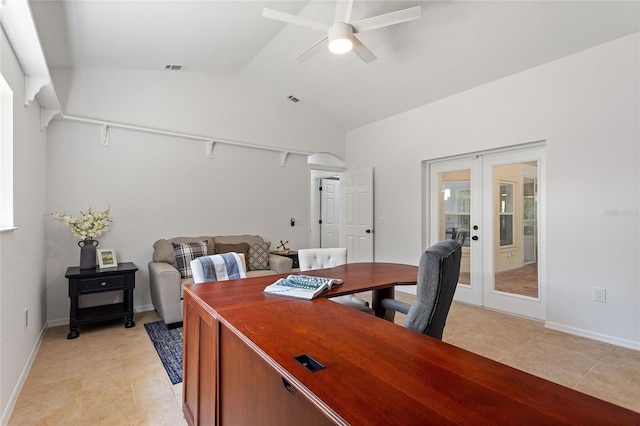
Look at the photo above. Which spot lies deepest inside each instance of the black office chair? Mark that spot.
(450, 233)
(438, 274)
(461, 237)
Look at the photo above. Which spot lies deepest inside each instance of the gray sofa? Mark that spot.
(166, 282)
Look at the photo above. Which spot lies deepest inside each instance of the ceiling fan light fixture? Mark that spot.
(340, 38)
(340, 46)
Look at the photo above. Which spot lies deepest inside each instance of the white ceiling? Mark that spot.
(455, 46)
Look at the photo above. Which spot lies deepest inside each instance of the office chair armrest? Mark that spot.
(396, 305)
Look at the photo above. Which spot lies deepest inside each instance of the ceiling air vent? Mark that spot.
(293, 99)
(173, 67)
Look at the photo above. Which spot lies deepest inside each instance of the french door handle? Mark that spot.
(474, 238)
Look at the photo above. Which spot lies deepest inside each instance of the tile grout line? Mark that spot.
(609, 349)
(515, 349)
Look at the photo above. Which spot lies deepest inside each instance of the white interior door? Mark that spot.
(357, 214)
(494, 204)
(330, 213)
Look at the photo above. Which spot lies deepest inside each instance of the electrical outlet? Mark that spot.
(600, 294)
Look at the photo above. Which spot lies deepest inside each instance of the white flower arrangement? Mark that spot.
(90, 225)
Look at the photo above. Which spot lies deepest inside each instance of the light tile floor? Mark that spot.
(608, 372)
(112, 376)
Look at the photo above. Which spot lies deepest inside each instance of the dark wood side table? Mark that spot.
(90, 281)
(292, 254)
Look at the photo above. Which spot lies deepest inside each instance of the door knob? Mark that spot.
(474, 238)
(368, 231)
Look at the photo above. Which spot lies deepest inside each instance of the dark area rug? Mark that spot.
(168, 344)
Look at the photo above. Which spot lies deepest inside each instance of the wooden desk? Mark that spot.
(239, 367)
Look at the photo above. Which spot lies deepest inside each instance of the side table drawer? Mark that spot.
(90, 285)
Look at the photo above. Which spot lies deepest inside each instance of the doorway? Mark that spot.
(341, 214)
(330, 209)
(325, 209)
(492, 203)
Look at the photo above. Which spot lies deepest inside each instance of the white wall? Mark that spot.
(22, 259)
(586, 107)
(162, 187)
(219, 106)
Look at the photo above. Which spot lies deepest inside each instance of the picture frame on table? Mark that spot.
(107, 258)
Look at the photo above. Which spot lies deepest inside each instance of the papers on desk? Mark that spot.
(302, 286)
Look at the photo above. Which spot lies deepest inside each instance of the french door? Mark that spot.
(493, 204)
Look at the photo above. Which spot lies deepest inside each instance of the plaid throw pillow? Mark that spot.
(185, 253)
(258, 256)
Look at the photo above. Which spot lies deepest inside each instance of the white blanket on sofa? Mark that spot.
(219, 267)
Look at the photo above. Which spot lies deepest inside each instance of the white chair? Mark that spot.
(321, 258)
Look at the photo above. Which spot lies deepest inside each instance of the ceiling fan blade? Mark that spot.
(363, 51)
(312, 50)
(293, 19)
(343, 11)
(387, 19)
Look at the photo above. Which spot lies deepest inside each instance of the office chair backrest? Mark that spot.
(321, 258)
(438, 274)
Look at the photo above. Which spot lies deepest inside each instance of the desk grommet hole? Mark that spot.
(309, 363)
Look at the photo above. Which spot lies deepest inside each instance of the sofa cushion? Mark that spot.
(185, 252)
(237, 248)
(163, 249)
(235, 239)
(258, 256)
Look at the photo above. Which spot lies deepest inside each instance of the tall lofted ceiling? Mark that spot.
(454, 46)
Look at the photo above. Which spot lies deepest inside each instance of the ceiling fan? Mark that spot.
(341, 34)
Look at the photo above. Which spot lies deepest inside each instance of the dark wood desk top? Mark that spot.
(379, 372)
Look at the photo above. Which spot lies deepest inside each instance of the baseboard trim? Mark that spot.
(6, 415)
(57, 322)
(625, 343)
(144, 308)
(592, 335)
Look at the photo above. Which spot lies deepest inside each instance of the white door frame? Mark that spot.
(472, 292)
(513, 303)
(482, 272)
(315, 176)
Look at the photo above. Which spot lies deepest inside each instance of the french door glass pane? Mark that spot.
(515, 218)
(455, 215)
